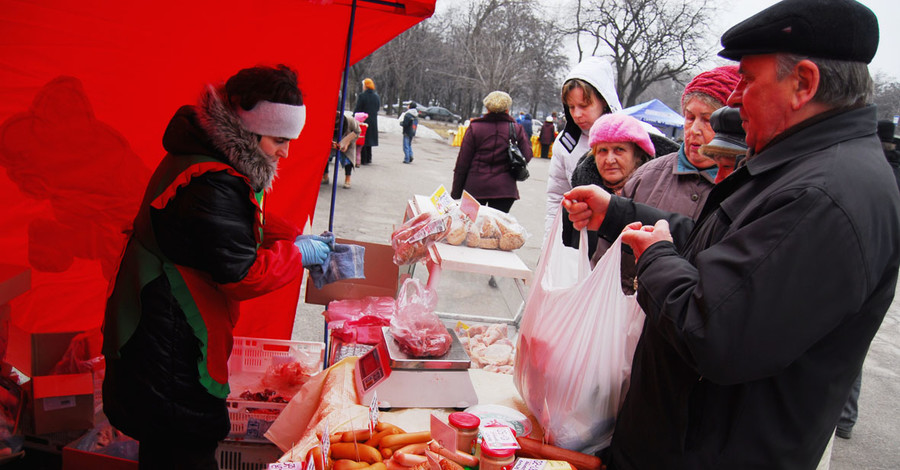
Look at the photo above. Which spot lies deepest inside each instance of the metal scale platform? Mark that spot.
(402, 381)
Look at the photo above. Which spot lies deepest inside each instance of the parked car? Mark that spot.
(439, 114)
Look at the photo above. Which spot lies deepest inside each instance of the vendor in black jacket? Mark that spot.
(201, 243)
(759, 315)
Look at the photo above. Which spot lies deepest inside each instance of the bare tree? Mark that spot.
(647, 40)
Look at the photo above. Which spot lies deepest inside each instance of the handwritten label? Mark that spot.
(326, 439)
(499, 438)
(285, 466)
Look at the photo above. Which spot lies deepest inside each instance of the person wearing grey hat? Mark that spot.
(760, 313)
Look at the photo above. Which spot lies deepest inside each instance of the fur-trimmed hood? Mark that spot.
(212, 128)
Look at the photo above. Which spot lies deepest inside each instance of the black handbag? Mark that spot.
(518, 167)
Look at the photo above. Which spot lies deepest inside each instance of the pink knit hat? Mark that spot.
(717, 83)
(621, 128)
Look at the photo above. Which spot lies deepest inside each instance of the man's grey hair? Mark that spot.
(841, 83)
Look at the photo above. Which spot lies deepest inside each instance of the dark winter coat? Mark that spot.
(528, 126)
(482, 166)
(893, 158)
(548, 133)
(200, 244)
(760, 315)
(369, 102)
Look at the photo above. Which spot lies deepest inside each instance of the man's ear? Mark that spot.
(806, 73)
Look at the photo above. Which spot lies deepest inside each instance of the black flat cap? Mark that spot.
(825, 29)
(730, 135)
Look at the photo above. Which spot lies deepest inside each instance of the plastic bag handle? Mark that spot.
(556, 244)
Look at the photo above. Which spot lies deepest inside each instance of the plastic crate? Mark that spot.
(246, 456)
(250, 358)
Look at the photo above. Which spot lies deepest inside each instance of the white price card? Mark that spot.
(285, 466)
(498, 437)
(373, 412)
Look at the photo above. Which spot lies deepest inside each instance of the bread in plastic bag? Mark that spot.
(412, 239)
(576, 343)
(492, 230)
(415, 327)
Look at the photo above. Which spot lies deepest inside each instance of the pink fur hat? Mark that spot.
(621, 128)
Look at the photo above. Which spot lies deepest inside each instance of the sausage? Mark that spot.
(417, 448)
(386, 452)
(381, 426)
(355, 451)
(375, 440)
(376, 466)
(447, 464)
(548, 452)
(458, 456)
(316, 455)
(405, 439)
(392, 465)
(357, 435)
(408, 460)
(347, 464)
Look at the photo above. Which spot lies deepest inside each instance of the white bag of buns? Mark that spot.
(492, 230)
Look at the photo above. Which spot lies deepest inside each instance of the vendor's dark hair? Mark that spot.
(261, 83)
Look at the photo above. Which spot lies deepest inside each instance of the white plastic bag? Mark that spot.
(576, 343)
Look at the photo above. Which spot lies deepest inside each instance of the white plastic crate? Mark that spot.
(250, 358)
(246, 456)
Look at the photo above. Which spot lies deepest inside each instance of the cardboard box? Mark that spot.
(382, 277)
(75, 457)
(61, 403)
(36, 353)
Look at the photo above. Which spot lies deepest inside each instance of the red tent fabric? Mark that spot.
(86, 90)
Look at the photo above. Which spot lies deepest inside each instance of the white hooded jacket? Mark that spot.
(572, 143)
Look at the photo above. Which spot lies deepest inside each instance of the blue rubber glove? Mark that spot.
(314, 252)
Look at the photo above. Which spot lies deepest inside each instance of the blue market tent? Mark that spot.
(658, 114)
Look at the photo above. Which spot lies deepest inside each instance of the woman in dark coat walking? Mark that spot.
(482, 166)
(369, 103)
(548, 134)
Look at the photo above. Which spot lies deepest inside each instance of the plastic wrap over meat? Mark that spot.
(415, 327)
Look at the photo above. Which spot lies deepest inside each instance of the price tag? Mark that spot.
(499, 437)
(469, 206)
(285, 466)
(373, 411)
(443, 433)
(442, 200)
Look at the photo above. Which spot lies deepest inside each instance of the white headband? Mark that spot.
(274, 119)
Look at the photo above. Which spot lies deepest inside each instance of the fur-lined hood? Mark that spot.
(212, 128)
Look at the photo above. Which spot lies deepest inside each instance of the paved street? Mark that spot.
(375, 204)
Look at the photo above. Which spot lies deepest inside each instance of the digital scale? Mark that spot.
(402, 381)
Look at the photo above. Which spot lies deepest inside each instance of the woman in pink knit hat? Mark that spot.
(619, 145)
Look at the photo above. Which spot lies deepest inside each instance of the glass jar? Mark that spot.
(496, 459)
(466, 425)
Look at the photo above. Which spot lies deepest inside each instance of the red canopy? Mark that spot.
(86, 90)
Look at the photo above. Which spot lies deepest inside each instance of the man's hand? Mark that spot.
(587, 206)
(640, 237)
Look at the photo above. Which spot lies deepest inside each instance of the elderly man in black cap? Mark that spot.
(759, 315)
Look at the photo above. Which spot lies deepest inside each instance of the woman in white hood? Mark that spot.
(588, 92)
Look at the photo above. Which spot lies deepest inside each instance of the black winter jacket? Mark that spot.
(760, 315)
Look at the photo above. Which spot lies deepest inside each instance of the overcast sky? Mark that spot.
(887, 59)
